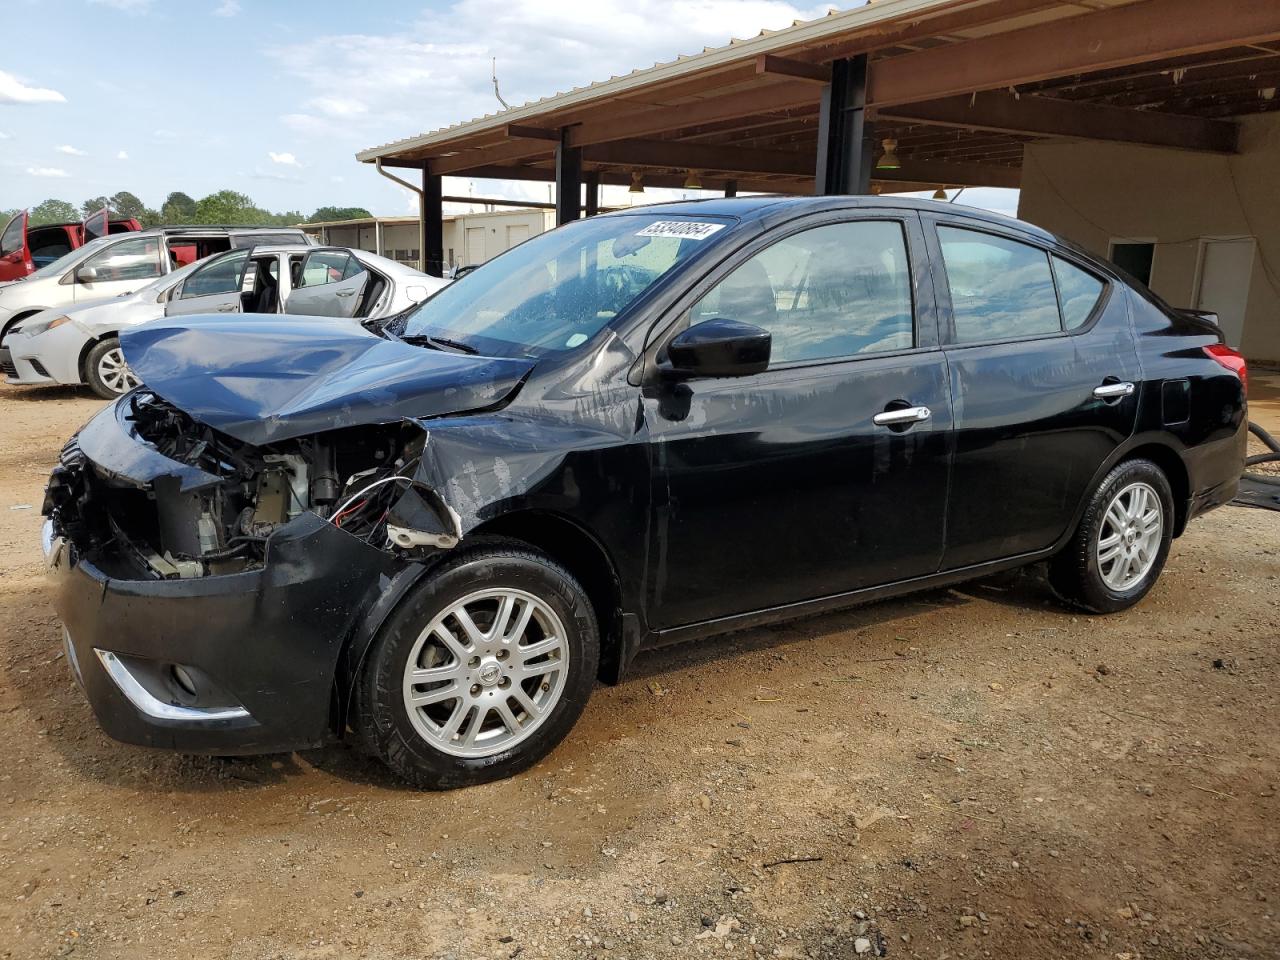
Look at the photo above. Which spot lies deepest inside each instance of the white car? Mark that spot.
(80, 344)
(123, 263)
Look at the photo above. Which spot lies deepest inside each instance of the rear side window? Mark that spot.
(1078, 291)
(832, 291)
(329, 267)
(1000, 288)
(11, 242)
(221, 276)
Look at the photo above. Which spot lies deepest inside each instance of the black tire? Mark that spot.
(382, 719)
(92, 366)
(1075, 573)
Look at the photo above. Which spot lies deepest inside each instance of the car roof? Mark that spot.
(769, 205)
(210, 228)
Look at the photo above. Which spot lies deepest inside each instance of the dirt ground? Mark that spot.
(968, 773)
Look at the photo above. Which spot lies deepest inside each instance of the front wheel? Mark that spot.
(106, 371)
(1122, 542)
(481, 671)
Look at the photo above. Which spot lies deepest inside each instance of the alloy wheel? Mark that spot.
(486, 672)
(1129, 537)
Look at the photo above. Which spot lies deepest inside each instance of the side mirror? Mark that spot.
(719, 348)
(87, 274)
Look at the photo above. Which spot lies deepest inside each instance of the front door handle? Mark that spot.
(227, 308)
(898, 418)
(345, 293)
(1113, 391)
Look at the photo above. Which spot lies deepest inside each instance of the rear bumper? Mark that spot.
(262, 646)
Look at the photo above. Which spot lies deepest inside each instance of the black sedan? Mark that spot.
(436, 532)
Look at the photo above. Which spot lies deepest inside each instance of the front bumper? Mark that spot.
(18, 371)
(49, 357)
(257, 649)
(265, 642)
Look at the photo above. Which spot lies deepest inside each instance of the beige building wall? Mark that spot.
(491, 233)
(1094, 193)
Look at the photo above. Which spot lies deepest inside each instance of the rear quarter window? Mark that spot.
(1079, 292)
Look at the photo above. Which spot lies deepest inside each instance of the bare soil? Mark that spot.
(967, 773)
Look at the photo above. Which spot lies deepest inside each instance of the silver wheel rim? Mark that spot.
(486, 673)
(114, 372)
(1129, 540)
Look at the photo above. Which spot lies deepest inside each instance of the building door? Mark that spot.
(517, 233)
(475, 245)
(1223, 282)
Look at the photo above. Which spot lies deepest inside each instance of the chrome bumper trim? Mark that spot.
(149, 705)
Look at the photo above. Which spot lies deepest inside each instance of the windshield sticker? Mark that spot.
(681, 229)
(576, 340)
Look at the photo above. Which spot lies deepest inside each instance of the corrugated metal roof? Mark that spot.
(871, 14)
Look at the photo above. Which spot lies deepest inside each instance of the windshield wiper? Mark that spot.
(439, 343)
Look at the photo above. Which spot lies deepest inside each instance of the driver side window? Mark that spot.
(832, 291)
(135, 259)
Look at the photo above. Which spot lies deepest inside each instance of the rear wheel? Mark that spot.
(481, 671)
(106, 371)
(1122, 542)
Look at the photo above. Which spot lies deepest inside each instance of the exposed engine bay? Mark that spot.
(361, 480)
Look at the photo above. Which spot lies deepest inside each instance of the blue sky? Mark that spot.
(274, 99)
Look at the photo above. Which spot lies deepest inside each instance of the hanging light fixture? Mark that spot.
(637, 182)
(693, 181)
(889, 159)
(940, 194)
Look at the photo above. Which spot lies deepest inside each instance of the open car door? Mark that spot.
(97, 225)
(328, 283)
(15, 254)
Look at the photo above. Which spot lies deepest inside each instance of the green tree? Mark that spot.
(229, 207)
(125, 205)
(93, 205)
(54, 211)
(150, 218)
(177, 208)
(325, 214)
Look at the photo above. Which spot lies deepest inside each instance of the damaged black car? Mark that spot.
(434, 533)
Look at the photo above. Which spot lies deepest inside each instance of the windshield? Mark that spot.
(555, 292)
(67, 260)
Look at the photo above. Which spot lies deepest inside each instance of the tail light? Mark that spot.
(1233, 360)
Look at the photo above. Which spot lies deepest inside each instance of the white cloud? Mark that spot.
(47, 172)
(337, 106)
(125, 6)
(284, 159)
(71, 151)
(13, 90)
(437, 71)
(3, 135)
(122, 155)
(228, 8)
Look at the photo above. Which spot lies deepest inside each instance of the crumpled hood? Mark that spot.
(264, 378)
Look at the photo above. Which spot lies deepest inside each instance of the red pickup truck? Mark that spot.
(25, 249)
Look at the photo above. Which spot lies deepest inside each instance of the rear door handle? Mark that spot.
(1111, 391)
(227, 308)
(345, 293)
(897, 418)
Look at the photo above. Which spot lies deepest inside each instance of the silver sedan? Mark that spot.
(80, 344)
